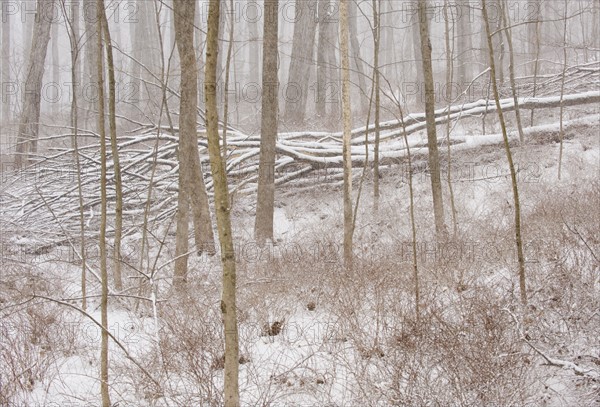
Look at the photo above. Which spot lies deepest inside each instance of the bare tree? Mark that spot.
(112, 122)
(513, 174)
(28, 27)
(302, 55)
(327, 98)
(192, 190)
(562, 88)
(377, 90)
(511, 68)
(433, 154)
(74, 41)
(496, 40)
(146, 58)
(104, 388)
(228, 298)
(30, 113)
(356, 57)
(5, 67)
(464, 43)
(347, 121)
(199, 46)
(263, 227)
(595, 30)
(55, 64)
(417, 50)
(534, 30)
(449, 37)
(254, 15)
(227, 78)
(91, 54)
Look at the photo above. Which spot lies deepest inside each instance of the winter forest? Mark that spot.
(300, 203)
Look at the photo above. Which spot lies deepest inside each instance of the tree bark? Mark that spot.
(418, 58)
(562, 89)
(433, 157)
(228, 299)
(347, 120)
(73, 29)
(265, 199)
(5, 69)
(511, 70)
(254, 39)
(449, 95)
(112, 121)
(55, 65)
(376, 43)
(513, 174)
(496, 41)
(534, 30)
(464, 44)
(358, 62)
(145, 55)
(301, 61)
(90, 81)
(192, 190)
(30, 113)
(104, 388)
(327, 92)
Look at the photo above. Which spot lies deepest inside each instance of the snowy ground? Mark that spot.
(347, 338)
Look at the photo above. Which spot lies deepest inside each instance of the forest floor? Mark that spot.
(314, 334)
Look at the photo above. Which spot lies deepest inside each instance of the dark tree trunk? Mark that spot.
(30, 113)
(263, 228)
(301, 61)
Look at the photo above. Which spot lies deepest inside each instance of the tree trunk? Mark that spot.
(327, 98)
(28, 27)
(347, 120)
(263, 227)
(413, 224)
(562, 89)
(418, 58)
(387, 61)
(199, 44)
(358, 63)
(103, 214)
(112, 101)
(55, 67)
(376, 42)
(301, 61)
(181, 235)
(433, 157)
(449, 95)
(255, 11)
(5, 70)
(594, 24)
(228, 300)
(73, 30)
(513, 174)
(192, 190)
(30, 113)
(496, 41)
(511, 70)
(90, 82)
(227, 77)
(146, 59)
(534, 30)
(464, 45)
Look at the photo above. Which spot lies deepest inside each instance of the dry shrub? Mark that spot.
(34, 334)
(463, 349)
(564, 279)
(191, 349)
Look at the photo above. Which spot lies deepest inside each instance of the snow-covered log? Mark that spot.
(46, 193)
